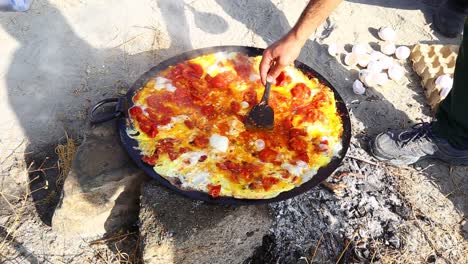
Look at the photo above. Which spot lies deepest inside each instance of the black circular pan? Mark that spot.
(131, 145)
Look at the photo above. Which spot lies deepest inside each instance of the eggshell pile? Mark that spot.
(377, 67)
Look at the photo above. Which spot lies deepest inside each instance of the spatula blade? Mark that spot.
(261, 116)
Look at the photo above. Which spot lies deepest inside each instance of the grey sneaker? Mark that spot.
(404, 147)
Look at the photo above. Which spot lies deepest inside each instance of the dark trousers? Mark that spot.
(461, 5)
(452, 115)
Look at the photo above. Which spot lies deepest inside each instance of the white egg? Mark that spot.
(359, 49)
(387, 48)
(334, 49)
(402, 52)
(381, 78)
(376, 55)
(363, 59)
(259, 144)
(386, 62)
(387, 34)
(244, 105)
(374, 66)
(444, 81)
(396, 72)
(219, 142)
(358, 87)
(351, 59)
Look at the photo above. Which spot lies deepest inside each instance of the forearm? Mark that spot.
(312, 17)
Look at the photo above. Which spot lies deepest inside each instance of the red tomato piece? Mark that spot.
(295, 132)
(254, 185)
(196, 70)
(202, 158)
(148, 130)
(164, 120)
(268, 182)
(303, 156)
(247, 171)
(223, 128)
(201, 141)
(136, 110)
(209, 111)
(297, 144)
(235, 107)
(222, 80)
(189, 124)
(300, 91)
(283, 79)
(175, 72)
(183, 150)
(156, 103)
(250, 96)
(231, 166)
(267, 155)
(287, 123)
(214, 190)
(150, 160)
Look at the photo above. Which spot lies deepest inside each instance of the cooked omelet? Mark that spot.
(190, 120)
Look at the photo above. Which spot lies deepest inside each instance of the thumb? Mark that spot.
(265, 65)
(275, 70)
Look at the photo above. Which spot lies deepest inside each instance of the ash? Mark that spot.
(342, 220)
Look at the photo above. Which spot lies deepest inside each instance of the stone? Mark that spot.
(174, 229)
(101, 192)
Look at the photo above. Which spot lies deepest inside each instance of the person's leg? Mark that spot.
(445, 139)
(448, 18)
(452, 115)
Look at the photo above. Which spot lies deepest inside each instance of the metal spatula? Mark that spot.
(261, 116)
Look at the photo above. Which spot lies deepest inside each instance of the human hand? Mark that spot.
(279, 55)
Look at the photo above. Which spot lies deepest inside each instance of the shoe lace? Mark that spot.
(418, 131)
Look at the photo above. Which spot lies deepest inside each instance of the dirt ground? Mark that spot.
(62, 56)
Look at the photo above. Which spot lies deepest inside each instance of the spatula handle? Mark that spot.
(266, 93)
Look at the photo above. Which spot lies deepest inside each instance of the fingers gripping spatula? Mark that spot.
(261, 116)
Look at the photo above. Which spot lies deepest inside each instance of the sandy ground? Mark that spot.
(62, 56)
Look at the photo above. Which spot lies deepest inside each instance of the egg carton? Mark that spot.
(430, 62)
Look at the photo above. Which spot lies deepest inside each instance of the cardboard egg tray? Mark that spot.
(430, 62)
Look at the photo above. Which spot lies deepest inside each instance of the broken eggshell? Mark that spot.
(358, 87)
(364, 59)
(370, 80)
(444, 81)
(374, 66)
(363, 74)
(386, 62)
(402, 53)
(387, 34)
(359, 49)
(388, 48)
(351, 59)
(381, 78)
(396, 72)
(376, 55)
(334, 49)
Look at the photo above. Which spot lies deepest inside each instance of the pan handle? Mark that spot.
(119, 110)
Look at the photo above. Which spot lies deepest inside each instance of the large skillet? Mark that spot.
(122, 105)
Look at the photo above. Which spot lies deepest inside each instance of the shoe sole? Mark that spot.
(450, 160)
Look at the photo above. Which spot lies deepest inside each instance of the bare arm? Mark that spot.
(284, 51)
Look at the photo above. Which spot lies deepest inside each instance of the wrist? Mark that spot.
(297, 36)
